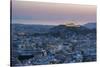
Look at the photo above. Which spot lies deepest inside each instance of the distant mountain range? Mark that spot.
(55, 30)
(30, 28)
(90, 25)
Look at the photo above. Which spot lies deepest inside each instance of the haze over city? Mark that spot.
(52, 13)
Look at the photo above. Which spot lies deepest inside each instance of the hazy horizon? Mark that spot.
(26, 12)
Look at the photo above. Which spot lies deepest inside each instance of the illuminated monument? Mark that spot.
(71, 24)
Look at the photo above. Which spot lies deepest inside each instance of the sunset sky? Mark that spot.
(30, 12)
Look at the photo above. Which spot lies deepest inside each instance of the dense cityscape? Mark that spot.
(48, 44)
